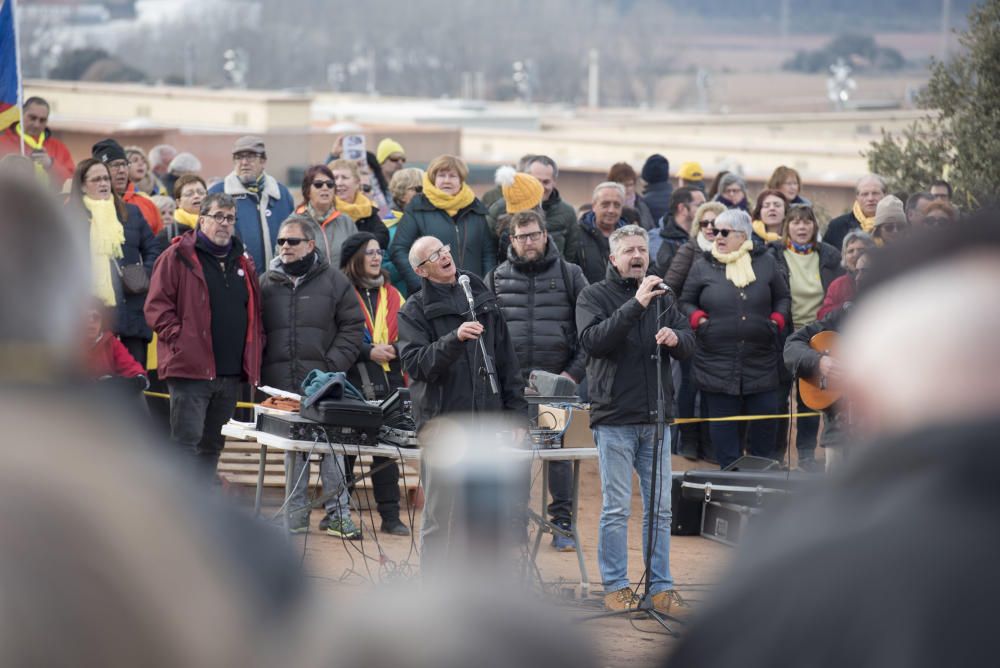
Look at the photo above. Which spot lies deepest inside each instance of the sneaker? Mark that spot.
(810, 465)
(563, 543)
(324, 523)
(395, 527)
(623, 599)
(667, 600)
(298, 524)
(343, 527)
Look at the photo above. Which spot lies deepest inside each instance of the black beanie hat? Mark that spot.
(656, 169)
(352, 245)
(108, 150)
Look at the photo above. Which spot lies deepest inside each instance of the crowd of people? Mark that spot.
(207, 285)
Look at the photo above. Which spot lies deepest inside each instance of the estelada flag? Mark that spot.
(9, 84)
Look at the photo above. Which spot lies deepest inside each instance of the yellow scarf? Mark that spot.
(185, 218)
(359, 210)
(380, 323)
(31, 142)
(739, 270)
(867, 224)
(107, 235)
(450, 204)
(761, 229)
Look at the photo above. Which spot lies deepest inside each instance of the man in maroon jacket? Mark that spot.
(204, 304)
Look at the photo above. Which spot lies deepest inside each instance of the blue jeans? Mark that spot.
(620, 449)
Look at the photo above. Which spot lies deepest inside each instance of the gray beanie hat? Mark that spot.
(737, 219)
(890, 210)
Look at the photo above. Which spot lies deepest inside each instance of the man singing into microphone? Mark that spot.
(620, 330)
(439, 349)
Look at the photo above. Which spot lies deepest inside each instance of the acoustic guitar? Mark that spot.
(814, 392)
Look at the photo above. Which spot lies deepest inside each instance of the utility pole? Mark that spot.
(593, 79)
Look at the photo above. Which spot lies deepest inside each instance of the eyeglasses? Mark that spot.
(118, 164)
(436, 255)
(324, 184)
(530, 236)
(290, 241)
(220, 218)
(188, 194)
(891, 227)
(372, 252)
(246, 156)
(100, 179)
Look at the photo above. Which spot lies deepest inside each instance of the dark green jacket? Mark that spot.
(473, 246)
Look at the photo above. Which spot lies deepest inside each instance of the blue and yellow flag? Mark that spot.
(10, 83)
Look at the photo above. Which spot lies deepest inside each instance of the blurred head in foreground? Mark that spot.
(921, 346)
(109, 559)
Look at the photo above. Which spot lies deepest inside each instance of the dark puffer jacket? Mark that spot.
(538, 300)
(738, 347)
(448, 375)
(473, 246)
(619, 335)
(657, 196)
(140, 247)
(680, 265)
(316, 324)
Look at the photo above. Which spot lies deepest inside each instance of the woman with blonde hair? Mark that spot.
(350, 200)
(449, 210)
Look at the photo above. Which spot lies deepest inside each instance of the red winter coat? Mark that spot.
(108, 357)
(841, 290)
(177, 308)
(62, 162)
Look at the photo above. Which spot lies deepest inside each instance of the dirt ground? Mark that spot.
(696, 565)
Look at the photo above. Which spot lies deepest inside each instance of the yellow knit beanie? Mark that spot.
(387, 147)
(520, 191)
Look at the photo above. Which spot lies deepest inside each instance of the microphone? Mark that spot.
(666, 288)
(463, 280)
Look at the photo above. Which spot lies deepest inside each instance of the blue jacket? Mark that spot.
(278, 206)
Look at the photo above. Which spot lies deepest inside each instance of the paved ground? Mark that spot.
(695, 562)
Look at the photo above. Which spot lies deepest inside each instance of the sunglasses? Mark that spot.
(324, 184)
(283, 241)
(705, 223)
(399, 159)
(891, 227)
(724, 232)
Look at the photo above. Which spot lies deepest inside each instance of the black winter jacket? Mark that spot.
(639, 214)
(316, 324)
(448, 375)
(473, 246)
(140, 247)
(680, 265)
(372, 225)
(738, 347)
(803, 362)
(618, 335)
(538, 304)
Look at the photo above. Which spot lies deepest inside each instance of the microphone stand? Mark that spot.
(491, 369)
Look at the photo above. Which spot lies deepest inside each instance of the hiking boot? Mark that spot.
(563, 543)
(395, 527)
(623, 599)
(298, 523)
(668, 600)
(343, 527)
